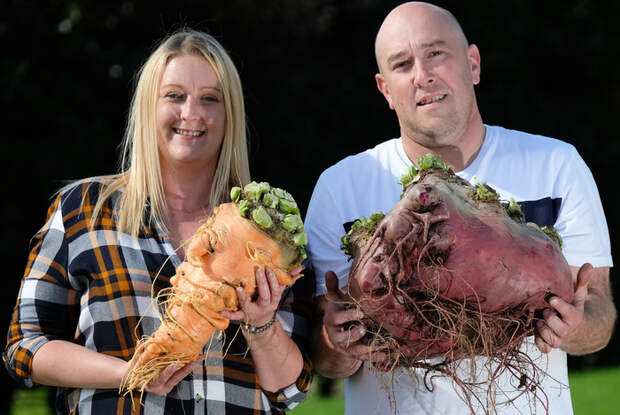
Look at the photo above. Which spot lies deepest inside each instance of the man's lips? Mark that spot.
(191, 133)
(431, 99)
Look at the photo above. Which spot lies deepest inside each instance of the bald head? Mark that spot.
(429, 19)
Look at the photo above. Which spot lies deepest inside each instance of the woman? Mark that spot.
(86, 294)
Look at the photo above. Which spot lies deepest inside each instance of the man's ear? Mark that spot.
(383, 88)
(473, 55)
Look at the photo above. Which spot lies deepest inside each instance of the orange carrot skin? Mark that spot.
(223, 254)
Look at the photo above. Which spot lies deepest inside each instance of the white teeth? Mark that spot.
(188, 132)
(431, 100)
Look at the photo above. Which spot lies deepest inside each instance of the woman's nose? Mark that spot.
(190, 110)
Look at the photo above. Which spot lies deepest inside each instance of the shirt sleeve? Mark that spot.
(295, 314)
(581, 220)
(324, 226)
(46, 304)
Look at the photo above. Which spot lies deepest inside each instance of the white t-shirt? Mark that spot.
(549, 179)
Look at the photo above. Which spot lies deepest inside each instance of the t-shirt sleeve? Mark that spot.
(324, 226)
(581, 221)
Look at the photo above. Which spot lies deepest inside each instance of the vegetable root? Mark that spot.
(451, 273)
(223, 254)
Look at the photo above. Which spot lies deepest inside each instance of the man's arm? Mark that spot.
(586, 325)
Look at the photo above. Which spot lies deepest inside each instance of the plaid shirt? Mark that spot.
(94, 288)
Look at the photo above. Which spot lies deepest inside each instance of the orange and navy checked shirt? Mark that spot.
(94, 288)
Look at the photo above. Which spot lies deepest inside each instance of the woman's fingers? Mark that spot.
(172, 374)
(244, 301)
(264, 292)
(260, 311)
(275, 287)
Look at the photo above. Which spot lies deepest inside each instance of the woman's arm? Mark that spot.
(65, 364)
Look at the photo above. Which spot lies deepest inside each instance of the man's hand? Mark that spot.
(562, 320)
(342, 324)
(338, 350)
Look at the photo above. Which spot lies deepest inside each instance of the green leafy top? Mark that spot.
(514, 210)
(426, 162)
(369, 225)
(274, 211)
(431, 161)
(552, 233)
(484, 192)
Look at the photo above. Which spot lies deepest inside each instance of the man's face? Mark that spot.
(428, 75)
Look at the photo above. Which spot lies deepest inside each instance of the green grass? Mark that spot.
(30, 402)
(317, 404)
(594, 392)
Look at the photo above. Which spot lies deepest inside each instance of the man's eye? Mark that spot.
(401, 64)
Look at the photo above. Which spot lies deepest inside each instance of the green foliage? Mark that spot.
(235, 192)
(426, 162)
(292, 223)
(514, 210)
(244, 206)
(254, 190)
(274, 210)
(484, 192)
(408, 177)
(553, 234)
(270, 200)
(288, 206)
(300, 238)
(369, 225)
(431, 161)
(260, 216)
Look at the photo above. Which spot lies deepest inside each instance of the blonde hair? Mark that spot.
(142, 200)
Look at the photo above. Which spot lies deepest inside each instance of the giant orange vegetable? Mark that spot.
(260, 228)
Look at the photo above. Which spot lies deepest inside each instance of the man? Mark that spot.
(427, 73)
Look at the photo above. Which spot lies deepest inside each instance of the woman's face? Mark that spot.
(190, 114)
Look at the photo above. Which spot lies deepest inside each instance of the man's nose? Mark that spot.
(422, 74)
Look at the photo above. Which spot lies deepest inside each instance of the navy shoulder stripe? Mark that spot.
(543, 212)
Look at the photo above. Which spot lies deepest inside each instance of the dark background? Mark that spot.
(307, 67)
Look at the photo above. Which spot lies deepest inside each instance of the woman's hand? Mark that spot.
(168, 378)
(259, 312)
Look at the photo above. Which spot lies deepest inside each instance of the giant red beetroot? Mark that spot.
(451, 272)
